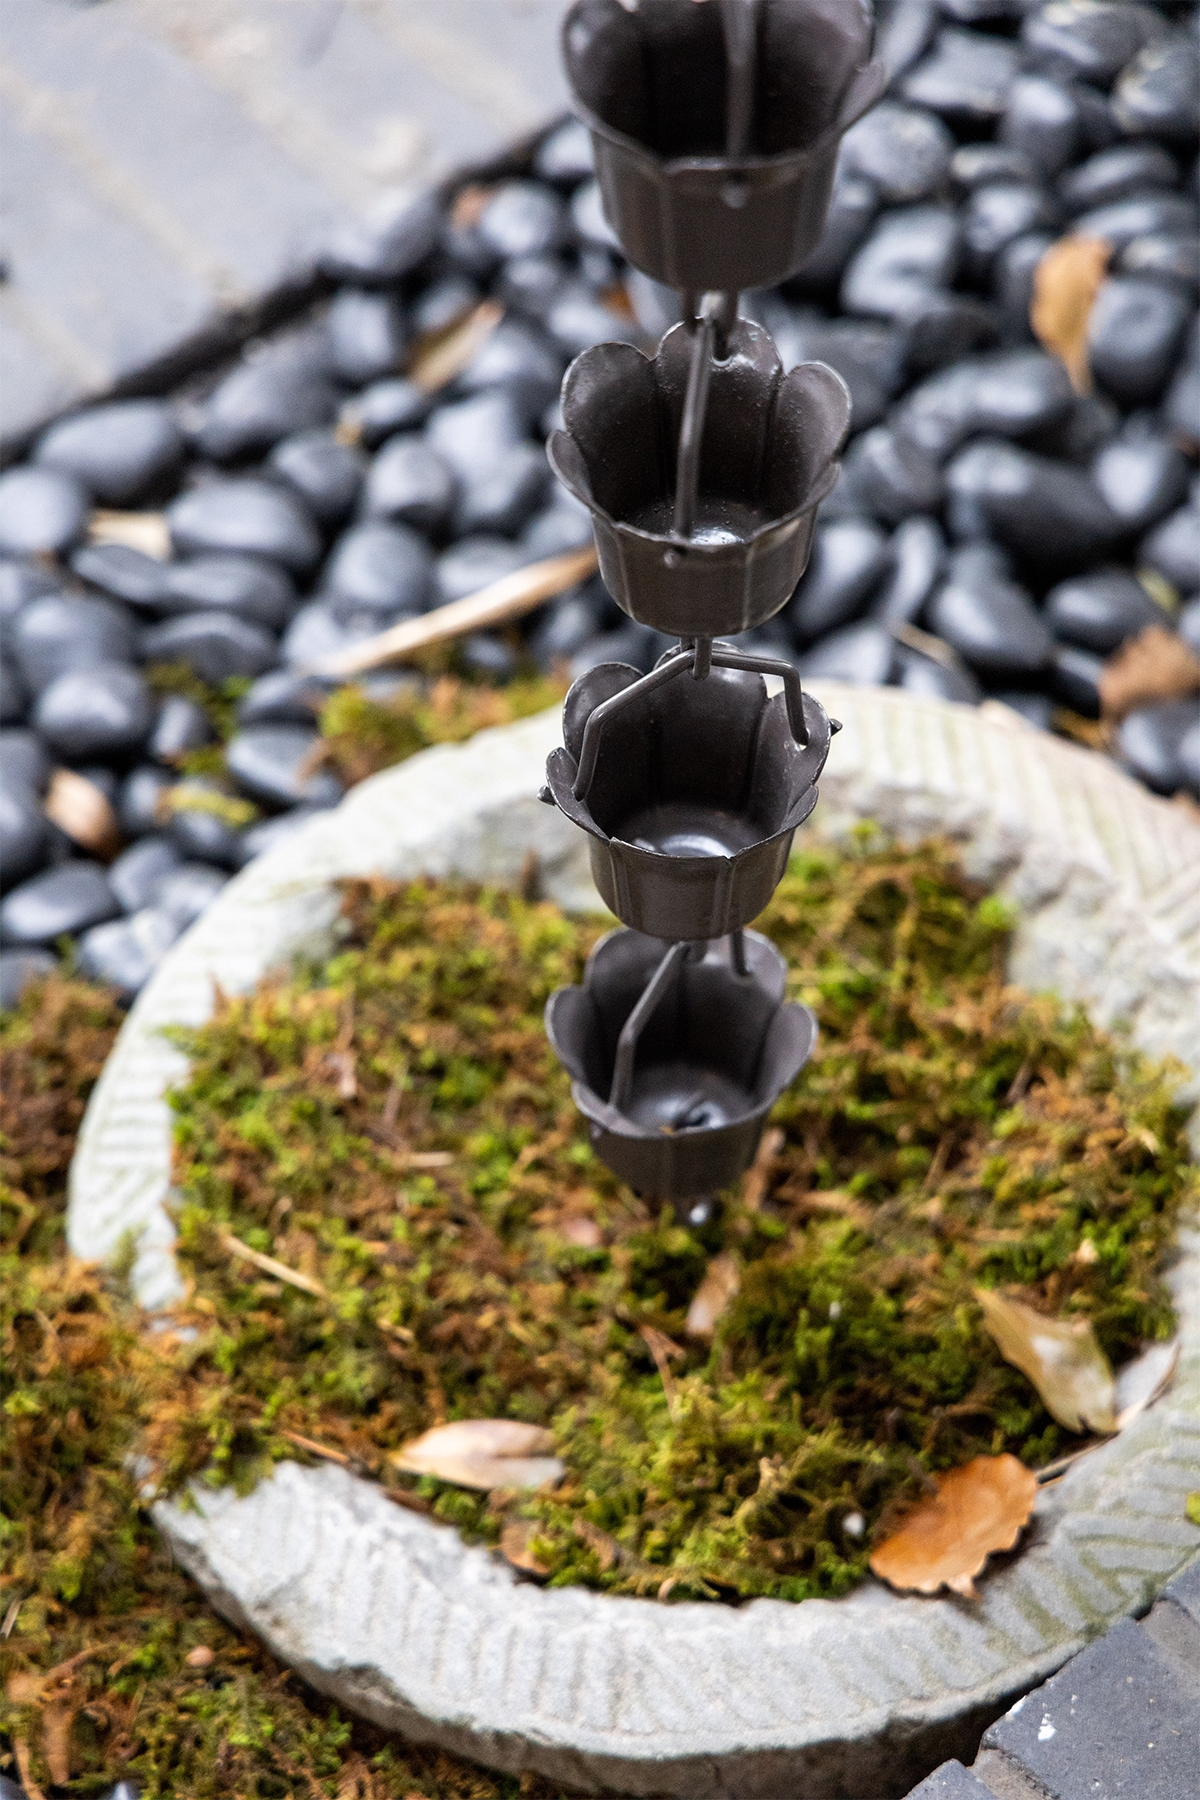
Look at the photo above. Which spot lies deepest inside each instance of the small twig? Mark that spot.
(315, 1449)
(435, 363)
(306, 1283)
(925, 644)
(1020, 1081)
(11, 1616)
(662, 1348)
(757, 1178)
(509, 598)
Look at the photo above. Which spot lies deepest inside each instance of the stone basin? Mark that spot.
(397, 1618)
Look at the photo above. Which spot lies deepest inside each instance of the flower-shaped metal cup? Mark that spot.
(694, 799)
(682, 1111)
(767, 460)
(652, 83)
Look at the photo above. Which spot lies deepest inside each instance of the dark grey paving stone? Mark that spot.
(1184, 1590)
(17, 969)
(119, 452)
(66, 899)
(950, 1782)
(42, 511)
(213, 645)
(1116, 1724)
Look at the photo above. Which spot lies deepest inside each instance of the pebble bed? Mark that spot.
(993, 533)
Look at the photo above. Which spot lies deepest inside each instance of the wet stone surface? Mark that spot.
(319, 486)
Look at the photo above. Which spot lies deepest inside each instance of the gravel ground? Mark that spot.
(994, 534)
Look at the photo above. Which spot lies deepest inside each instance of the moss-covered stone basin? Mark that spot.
(395, 1613)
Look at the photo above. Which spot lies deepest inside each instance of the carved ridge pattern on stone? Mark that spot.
(403, 1622)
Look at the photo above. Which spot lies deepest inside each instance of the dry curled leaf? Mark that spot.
(78, 807)
(946, 1539)
(1065, 284)
(1060, 1357)
(515, 1540)
(1155, 665)
(437, 360)
(483, 1453)
(722, 1278)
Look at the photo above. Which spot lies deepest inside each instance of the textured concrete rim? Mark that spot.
(400, 1620)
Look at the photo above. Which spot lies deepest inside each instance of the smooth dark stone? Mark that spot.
(1047, 513)
(931, 679)
(213, 645)
(979, 165)
(1087, 40)
(274, 763)
(63, 900)
(23, 761)
(410, 483)
(1135, 331)
(1081, 434)
(282, 698)
(42, 511)
(1150, 740)
(918, 554)
(995, 215)
(849, 559)
(1142, 479)
(523, 218)
(21, 582)
(201, 834)
(530, 283)
(576, 321)
(487, 657)
(565, 155)
(520, 359)
(325, 474)
(103, 711)
(103, 777)
(1181, 408)
(966, 78)
(284, 388)
(587, 217)
(366, 334)
(379, 568)
(502, 497)
(980, 12)
(1187, 624)
(1159, 93)
(1172, 549)
(140, 803)
(1043, 120)
(563, 525)
(1098, 125)
(386, 245)
(1075, 679)
(464, 251)
(1013, 273)
(120, 452)
(1011, 392)
(475, 563)
(182, 725)
(863, 654)
(1162, 256)
(316, 633)
(190, 890)
(890, 476)
(126, 952)
(474, 434)
(24, 832)
(1035, 707)
(248, 586)
(910, 251)
(138, 873)
(564, 627)
(1116, 174)
(65, 631)
(17, 969)
(942, 328)
(264, 836)
(904, 33)
(1100, 611)
(388, 406)
(247, 517)
(988, 619)
(442, 304)
(1142, 215)
(14, 701)
(852, 208)
(869, 358)
(127, 574)
(905, 152)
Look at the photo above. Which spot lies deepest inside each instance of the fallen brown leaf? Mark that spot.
(945, 1540)
(722, 1278)
(1060, 1357)
(1155, 665)
(1065, 284)
(78, 807)
(483, 1453)
(757, 1178)
(514, 1547)
(144, 531)
(437, 360)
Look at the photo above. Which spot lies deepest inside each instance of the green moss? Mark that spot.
(363, 735)
(394, 1124)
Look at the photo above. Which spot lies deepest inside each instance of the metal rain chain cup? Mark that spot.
(715, 125)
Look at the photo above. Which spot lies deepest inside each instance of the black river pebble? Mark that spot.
(60, 632)
(1117, 173)
(1100, 611)
(138, 873)
(891, 476)
(849, 556)
(367, 338)
(1141, 478)
(1172, 549)
(987, 618)
(862, 654)
(181, 725)
(411, 484)
(275, 763)
(1088, 40)
(285, 387)
(966, 77)
(386, 246)
(248, 517)
(1047, 513)
(42, 511)
(1134, 335)
(254, 589)
(1012, 392)
(124, 573)
(1159, 92)
(103, 711)
(120, 452)
(326, 474)
(380, 568)
(214, 645)
(125, 952)
(63, 900)
(1151, 742)
(904, 151)
(917, 550)
(388, 406)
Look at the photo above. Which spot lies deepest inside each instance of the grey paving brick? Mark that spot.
(1184, 1590)
(1116, 1724)
(951, 1782)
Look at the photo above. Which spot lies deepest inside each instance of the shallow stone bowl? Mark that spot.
(401, 1621)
